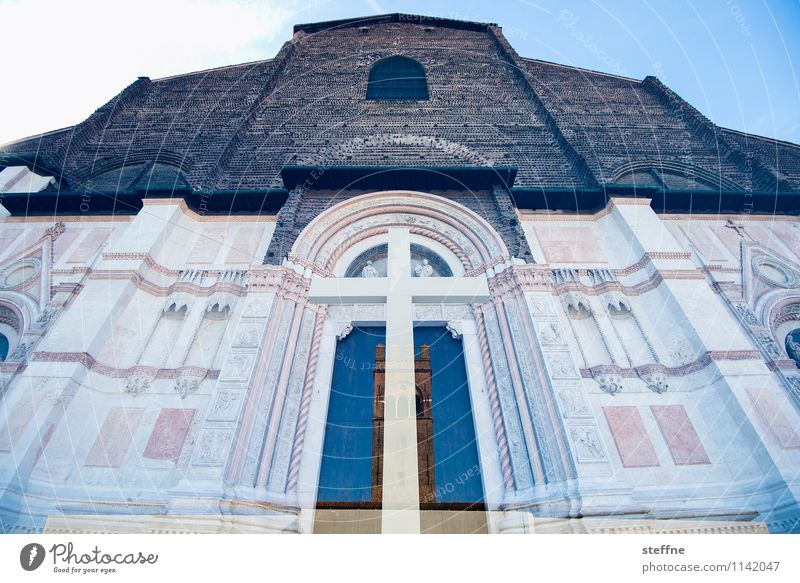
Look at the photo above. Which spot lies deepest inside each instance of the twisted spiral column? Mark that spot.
(305, 401)
(497, 415)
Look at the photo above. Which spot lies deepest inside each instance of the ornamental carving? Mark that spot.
(794, 386)
(681, 353)
(238, 366)
(787, 313)
(427, 312)
(746, 315)
(587, 444)
(456, 329)
(550, 333)
(226, 406)
(572, 403)
(370, 312)
(774, 272)
(417, 210)
(46, 317)
(576, 305)
(187, 383)
(20, 273)
(769, 345)
(610, 384)
(21, 352)
(540, 305)
(63, 392)
(656, 382)
(256, 308)
(560, 365)
(139, 382)
(212, 447)
(247, 336)
(457, 312)
(55, 231)
(344, 330)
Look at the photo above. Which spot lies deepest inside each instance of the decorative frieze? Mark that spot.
(212, 447)
(586, 444)
(238, 366)
(573, 404)
(560, 365)
(227, 405)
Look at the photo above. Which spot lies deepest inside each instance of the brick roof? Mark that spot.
(562, 128)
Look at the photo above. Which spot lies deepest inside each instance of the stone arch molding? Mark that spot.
(468, 236)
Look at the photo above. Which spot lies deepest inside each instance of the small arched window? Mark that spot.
(397, 79)
(4, 346)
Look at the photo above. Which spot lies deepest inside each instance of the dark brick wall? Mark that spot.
(562, 127)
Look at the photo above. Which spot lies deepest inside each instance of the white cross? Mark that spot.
(399, 291)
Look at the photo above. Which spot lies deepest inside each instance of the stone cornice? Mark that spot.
(700, 363)
(537, 277)
(90, 363)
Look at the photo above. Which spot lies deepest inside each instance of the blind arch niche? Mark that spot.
(397, 79)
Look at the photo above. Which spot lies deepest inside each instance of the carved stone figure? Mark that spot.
(587, 443)
(550, 333)
(736, 227)
(369, 270)
(573, 403)
(424, 269)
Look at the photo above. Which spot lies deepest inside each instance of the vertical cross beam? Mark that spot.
(400, 481)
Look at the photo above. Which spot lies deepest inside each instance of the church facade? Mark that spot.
(399, 278)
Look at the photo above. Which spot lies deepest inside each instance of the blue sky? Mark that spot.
(737, 61)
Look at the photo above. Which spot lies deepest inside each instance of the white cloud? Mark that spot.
(65, 58)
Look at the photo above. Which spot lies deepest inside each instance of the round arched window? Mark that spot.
(373, 262)
(4, 346)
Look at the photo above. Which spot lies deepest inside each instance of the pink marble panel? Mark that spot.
(774, 419)
(64, 241)
(169, 433)
(244, 245)
(207, 245)
(18, 417)
(569, 243)
(630, 436)
(90, 245)
(115, 437)
(679, 433)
